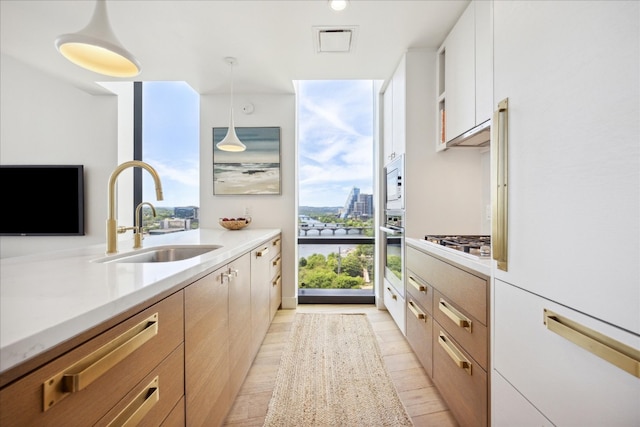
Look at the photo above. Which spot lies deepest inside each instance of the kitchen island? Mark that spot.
(47, 299)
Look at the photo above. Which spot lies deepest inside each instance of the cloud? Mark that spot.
(180, 182)
(335, 140)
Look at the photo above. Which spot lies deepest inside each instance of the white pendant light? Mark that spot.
(96, 47)
(231, 142)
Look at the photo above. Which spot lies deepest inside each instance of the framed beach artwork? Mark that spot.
(255, 170)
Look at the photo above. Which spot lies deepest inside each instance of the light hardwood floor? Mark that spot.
(418, 394)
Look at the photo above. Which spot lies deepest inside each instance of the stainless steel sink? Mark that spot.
(169, 253)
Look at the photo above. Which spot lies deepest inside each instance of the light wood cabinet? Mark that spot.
(240, 354)
(275, 272)
(207, 349)
(260, 293)
(178, 362)
(109, 370)
(420, 319)
(457, 357)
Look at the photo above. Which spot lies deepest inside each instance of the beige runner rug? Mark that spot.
(332, 374)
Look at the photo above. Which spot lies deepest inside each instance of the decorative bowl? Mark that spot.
(234, 223)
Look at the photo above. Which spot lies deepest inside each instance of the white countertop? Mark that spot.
(46, 299)
(480, 264)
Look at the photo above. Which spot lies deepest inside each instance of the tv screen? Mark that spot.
(42, 200)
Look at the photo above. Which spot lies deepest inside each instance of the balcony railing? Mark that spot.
(335, 268)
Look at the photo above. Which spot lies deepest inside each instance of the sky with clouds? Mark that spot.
(171, 135)
(335, 141)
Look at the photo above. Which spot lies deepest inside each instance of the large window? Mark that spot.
(335, 191)
(170, 143)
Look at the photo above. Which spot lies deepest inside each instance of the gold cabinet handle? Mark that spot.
(138, 408)
(229, 275)
(276, 242)
(419, 287)
(277, 281)
(458, 318)
(416, 312)
(499, 183)
(455, 354)
(82, 373)
(393, 296)
(262, 252)
(618, 354)
(276, 261)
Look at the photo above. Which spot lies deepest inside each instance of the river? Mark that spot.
(307, 250)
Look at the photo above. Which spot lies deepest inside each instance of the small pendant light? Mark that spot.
(231, 142)
(96, 47)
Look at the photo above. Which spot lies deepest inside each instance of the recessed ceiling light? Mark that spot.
(338, 5)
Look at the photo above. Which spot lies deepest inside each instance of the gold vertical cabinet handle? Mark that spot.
(419, 287)
(276, 261)
(458, 318)
(138, 408)
(416, 312)
(393, 296)
(499, 183)
(613, 351)
(229, 275)
(277, 281)
(262, 252)
(82, 373)
(455, 354)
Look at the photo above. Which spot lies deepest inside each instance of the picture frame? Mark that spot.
(255, 171)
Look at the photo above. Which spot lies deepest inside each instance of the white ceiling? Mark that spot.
(188, 40)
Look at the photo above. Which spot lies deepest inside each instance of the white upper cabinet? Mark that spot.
(465, 75)
(394, 110)
(484, 61)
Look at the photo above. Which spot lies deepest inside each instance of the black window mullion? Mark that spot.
(137, 145)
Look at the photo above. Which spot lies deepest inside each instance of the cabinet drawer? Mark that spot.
(275, 266)
(465, 329)
(276, 245)
(461, 381)
(23, 402)
(176, 418)
(509, 408)
(154, 398)
(586, 390)
(420, 290)
(395, 304)
(419, 333)
(467, 290)
(275, 295)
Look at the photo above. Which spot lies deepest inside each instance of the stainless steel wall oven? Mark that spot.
(394, 258)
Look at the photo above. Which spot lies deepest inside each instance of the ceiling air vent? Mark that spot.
(334, 39)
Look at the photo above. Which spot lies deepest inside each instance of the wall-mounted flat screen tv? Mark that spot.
(42, 200)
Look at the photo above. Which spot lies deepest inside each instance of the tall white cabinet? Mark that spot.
(570, 73)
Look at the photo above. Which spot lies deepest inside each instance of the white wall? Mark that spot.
(266, 211)
(446, 191)
(46, 121)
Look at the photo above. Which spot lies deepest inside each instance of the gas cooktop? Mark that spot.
(479, 246)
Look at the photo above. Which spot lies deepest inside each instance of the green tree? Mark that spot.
(352, 265)
(318, 279)
(343, 281)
